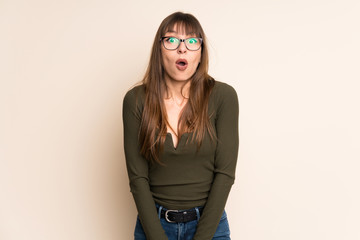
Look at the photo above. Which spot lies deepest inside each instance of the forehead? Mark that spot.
(181, 29)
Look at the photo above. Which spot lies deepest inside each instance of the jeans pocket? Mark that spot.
(223, 216)
(139, 233)
(223, 230)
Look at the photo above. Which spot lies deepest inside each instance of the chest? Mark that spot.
(173, 111)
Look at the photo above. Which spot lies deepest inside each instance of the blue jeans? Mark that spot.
(185, 231)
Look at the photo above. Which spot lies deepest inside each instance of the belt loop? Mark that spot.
(160, 208)
(197, 213)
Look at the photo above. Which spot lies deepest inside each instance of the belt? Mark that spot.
(179, 216)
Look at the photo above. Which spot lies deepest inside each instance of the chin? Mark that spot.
(181, 79)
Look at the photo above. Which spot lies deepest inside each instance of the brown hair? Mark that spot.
(194, 116)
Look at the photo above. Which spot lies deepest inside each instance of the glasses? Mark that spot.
(172, 43)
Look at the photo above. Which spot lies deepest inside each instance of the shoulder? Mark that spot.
(134, 101)
(223, 92)
(135, 95)
(223, 102)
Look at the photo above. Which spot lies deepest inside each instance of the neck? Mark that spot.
(178, 90)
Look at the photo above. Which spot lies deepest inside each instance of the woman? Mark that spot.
(180, 139)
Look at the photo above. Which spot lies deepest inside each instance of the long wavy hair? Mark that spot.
(194, 116)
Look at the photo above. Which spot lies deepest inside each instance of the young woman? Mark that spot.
(180, 139)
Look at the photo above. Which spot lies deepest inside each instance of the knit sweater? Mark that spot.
(190, 176)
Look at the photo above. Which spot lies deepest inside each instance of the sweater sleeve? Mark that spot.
(137, 167)
(226, 125)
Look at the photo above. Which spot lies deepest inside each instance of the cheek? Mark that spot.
(198, 57)
(197, 60)
(165, 60)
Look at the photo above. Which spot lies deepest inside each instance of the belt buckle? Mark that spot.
(167, 216)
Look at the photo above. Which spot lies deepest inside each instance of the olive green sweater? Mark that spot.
(190, 177)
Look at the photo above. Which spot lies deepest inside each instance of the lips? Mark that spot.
(181, 64)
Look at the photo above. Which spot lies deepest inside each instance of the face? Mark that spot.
(179, 64)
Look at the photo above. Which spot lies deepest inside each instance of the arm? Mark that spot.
(137, 168)
(225, 162)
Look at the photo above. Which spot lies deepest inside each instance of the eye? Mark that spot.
(172, 40)
(192, 40)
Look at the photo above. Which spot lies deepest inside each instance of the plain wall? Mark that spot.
(66, 65)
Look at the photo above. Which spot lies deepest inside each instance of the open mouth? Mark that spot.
(181, 64)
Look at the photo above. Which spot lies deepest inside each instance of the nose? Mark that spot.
(182, 48)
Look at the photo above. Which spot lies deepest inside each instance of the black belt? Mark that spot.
(176, 216)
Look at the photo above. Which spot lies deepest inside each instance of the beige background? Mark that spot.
(66, 65)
